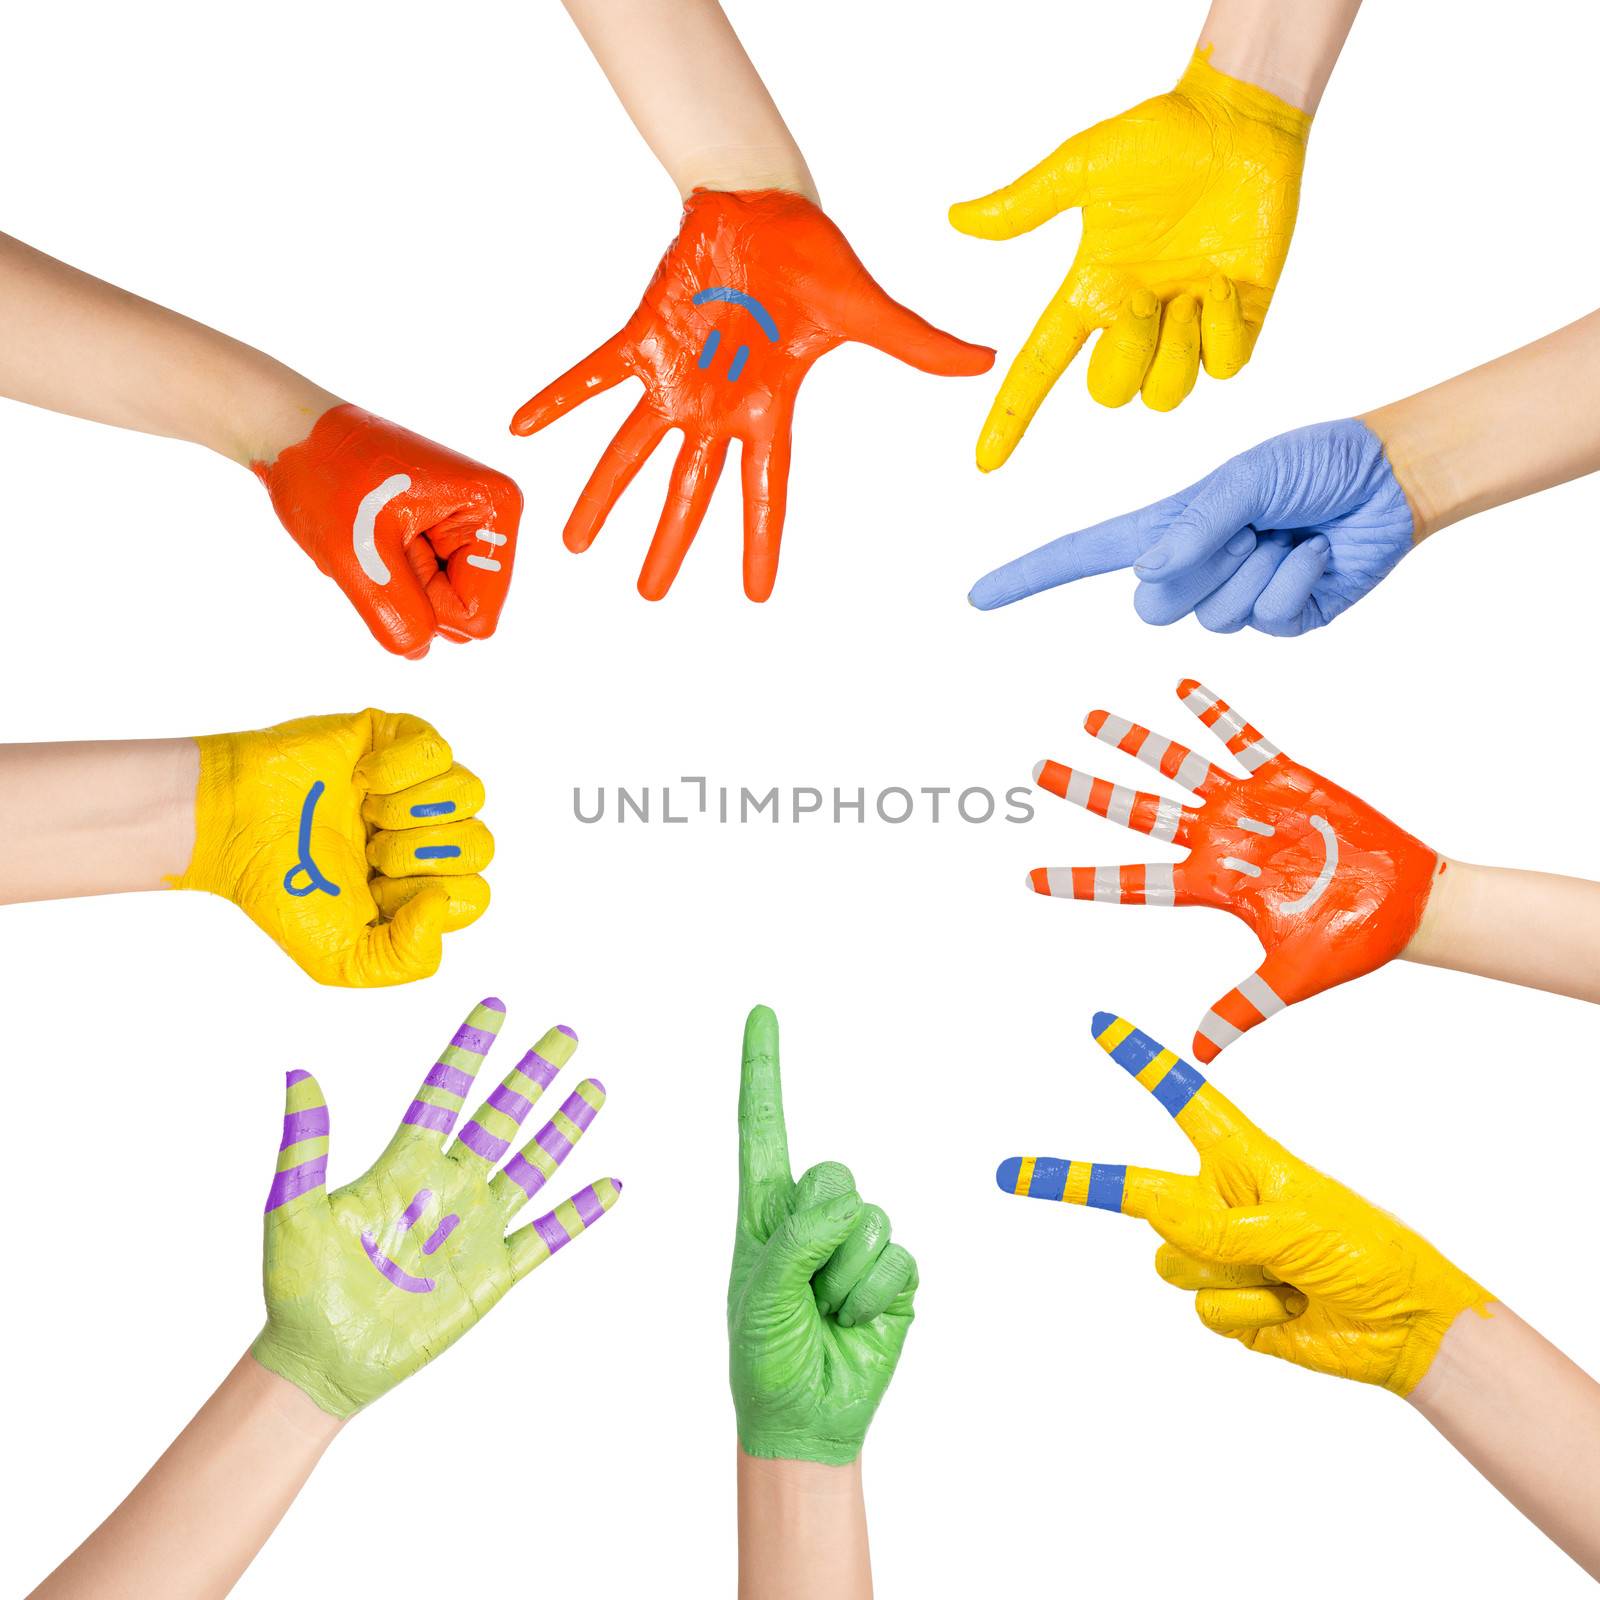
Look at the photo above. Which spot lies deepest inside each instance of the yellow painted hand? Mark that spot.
(1189, 204)
(1279, 1256)
(353, 841)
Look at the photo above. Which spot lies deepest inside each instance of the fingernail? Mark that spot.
(1151, 561)
(824, 1307)
(1218, 287)
(1321, 543)
(1143, 304)
(1241, 544)
(1294, 1304)
(845, 1320)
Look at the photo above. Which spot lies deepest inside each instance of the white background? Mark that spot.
(433, 210)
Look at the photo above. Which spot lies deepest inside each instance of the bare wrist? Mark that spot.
(1290, 51)
(808, 1479)
(1438, 931)
(281, 1406)
(1434, 460)
(1467, 1361)
(275, 408)
(744, 169)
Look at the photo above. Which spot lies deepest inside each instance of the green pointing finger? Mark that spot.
(819, 1300)
(764, 1178)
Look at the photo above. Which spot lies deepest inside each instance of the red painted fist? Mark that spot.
(420, 539)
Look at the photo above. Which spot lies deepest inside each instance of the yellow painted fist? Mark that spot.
(1189, 203)
(353, 841)
(1279, 1256)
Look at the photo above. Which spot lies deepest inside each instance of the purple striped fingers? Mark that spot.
(303, 1151)
(527, 1172)
(1167, 756)
(438, 1101)
(1246, 744)
(533, 1245)
(499, 1119)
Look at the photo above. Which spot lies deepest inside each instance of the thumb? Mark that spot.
(800, 1248)
(303, 1151)
(1227, 503)
(898, 331)
(1042, 192)
(407, 947)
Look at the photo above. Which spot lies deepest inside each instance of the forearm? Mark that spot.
(1531, 928)
(78, 345)
(106, 817)
(1288, 50)
(802, 1531)
(198, 1517)
(1527, 1418)
(1504, 430)
(683, 77)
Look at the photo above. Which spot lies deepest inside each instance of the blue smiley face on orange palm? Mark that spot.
(763, 319)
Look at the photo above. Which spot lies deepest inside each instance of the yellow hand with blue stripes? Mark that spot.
(1188, 203)
(1280, 1256)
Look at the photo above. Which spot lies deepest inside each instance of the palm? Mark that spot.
(711, 364)
(754, 288)
(329, 1252)
(368, 1284)
(1175, 194)
(1331, 887)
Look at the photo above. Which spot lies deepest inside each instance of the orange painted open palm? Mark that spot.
(1331, 887)
(753, 290)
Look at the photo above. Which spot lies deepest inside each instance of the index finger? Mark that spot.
(1106, 547)
(406, 750)
(450, 1079)
(763, 1141)
(1205, 1116)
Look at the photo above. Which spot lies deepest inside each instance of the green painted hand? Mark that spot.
(368, 1284)
(819, 1300)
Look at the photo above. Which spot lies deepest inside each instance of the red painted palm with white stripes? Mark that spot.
(1331, 887)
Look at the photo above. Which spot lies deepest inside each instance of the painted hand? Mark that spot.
(1280, 1256)
(819, 1300)
(1281, 539)
(368, 1284)
(353, 841)
(1189, 203)
(755, 287)
(1332, 888)
(420, 539)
